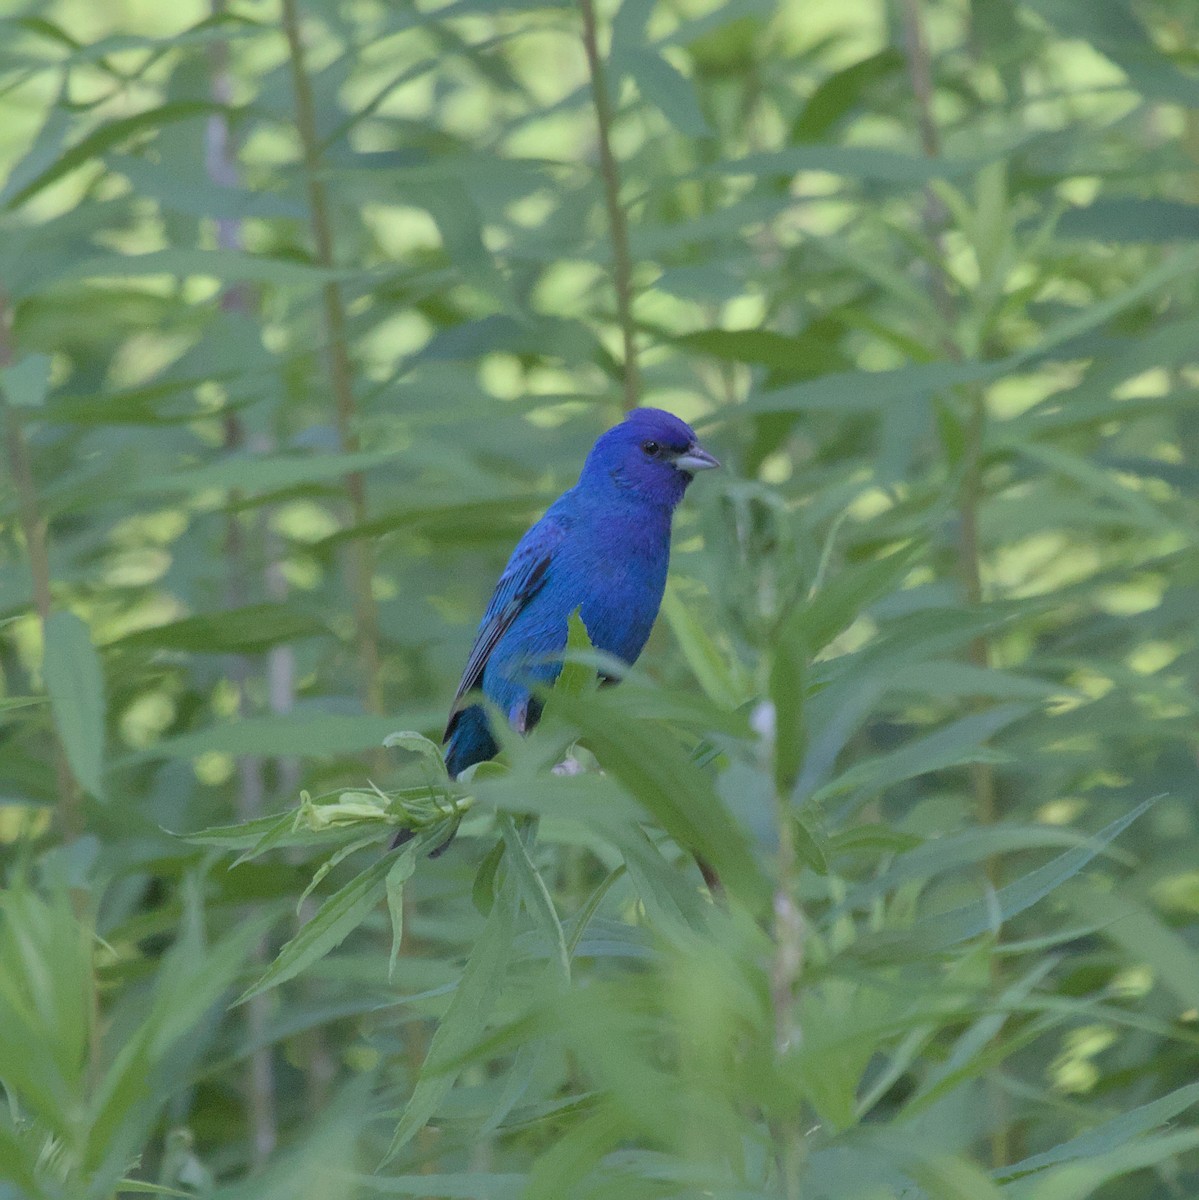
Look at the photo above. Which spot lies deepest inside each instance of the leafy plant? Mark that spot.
(876, 877)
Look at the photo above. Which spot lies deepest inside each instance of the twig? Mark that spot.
(790, 933)
(618, 225)
(338, 359)
(970, 494)
(34, 531)
(320, 1067)
(970, 488)
(920, 74)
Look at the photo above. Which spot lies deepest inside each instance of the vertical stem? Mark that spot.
(338, 361)
(970, 497)
(34, 530)
(262, 1110)
(920, 74)
(320, 1067)
(789, 934)
(221, 165)
(970, 493)
(618, 225)
(970, 489)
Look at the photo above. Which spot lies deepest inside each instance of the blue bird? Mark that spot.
(602, 548)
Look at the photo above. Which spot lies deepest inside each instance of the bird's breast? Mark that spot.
(621, 586)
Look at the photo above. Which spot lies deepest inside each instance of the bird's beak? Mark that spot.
(696, 458)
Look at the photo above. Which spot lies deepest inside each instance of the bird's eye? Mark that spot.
(651, 448)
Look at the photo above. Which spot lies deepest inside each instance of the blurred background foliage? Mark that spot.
(308, 310)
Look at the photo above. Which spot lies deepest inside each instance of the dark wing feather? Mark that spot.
(523, 578)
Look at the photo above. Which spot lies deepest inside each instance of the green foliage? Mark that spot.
(875, 878)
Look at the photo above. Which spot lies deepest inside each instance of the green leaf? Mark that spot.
(1144, 938)
(866, 163)
(656, 771)
(274, 834)
(75, 682)
(249, 630)
(536, 895)
(1078, 1180)
(869, 391)
(958, 743)
(459, 1185)
(809, 846)
(1132, 219)
(195, 195)
(872, 837)
(399, 874)
(1108, 1135)
(576, 676)
(718, 674)
(421, 746)
(1099, 484)
(227, 266)
(588, 911)
(788, 357)
(1181, 265)
(671, 900)
(838, 603)
(264, 832)
(947, 678)
(319, 874)
(482, 892)
(838, 95)
(671, 92)
(304, 734)
(959, 924)
(256, 473)
(104, 138)
(139, 1187)
(26, 383)
(332, 923)
(788, 667)
(922, 860)
(464, 1020)
(1114, 29)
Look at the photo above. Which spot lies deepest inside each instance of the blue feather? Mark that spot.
(602, 548)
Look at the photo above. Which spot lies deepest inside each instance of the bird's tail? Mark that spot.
(470, 741)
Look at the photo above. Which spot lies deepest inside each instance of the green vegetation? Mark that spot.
(308, 308)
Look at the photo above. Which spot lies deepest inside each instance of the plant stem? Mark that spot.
(789, 935)
(970, 487)
(34, 530)
(970, 490)
(920, 74)
(338, 360)
(618, 225)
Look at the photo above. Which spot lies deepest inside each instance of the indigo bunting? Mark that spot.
(602, 548)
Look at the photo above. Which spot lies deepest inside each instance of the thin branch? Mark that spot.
(262, 1109)
(341, 381)
(790, 933)
(34, 530)
(618, 225)
(971, 492)
(920, 74)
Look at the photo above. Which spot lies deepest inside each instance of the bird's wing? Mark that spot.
(523, 578)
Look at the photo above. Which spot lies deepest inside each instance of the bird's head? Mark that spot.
(651, 453)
